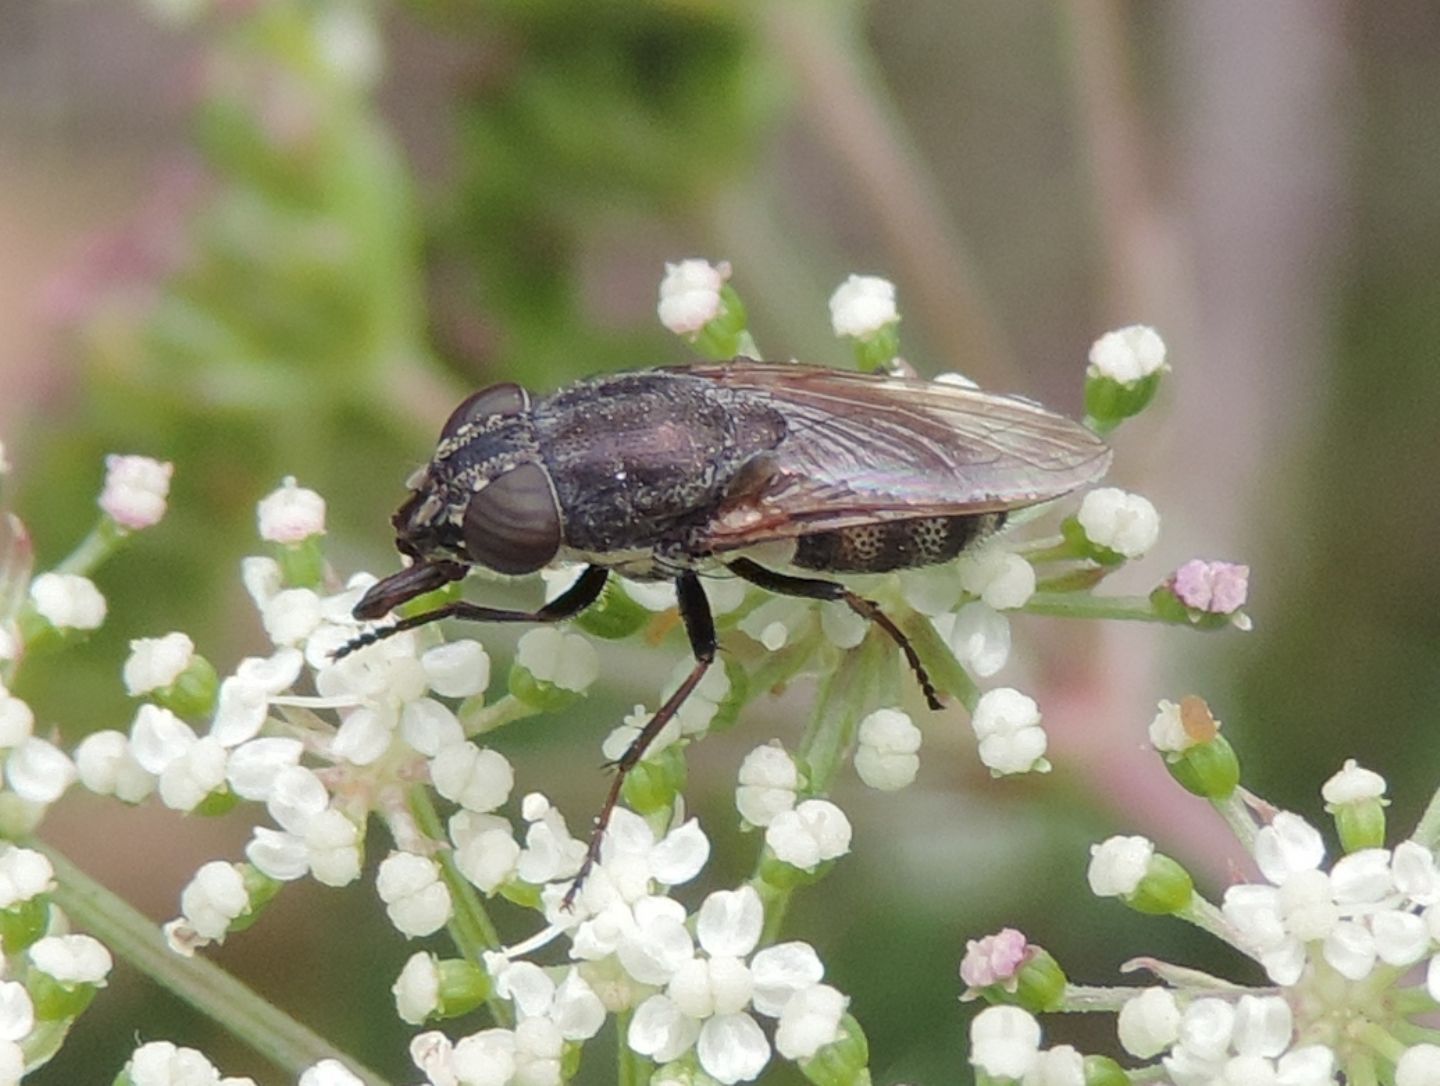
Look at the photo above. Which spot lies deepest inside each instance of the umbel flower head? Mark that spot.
(1349, 945)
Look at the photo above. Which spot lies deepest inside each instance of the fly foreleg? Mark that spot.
(700, 626)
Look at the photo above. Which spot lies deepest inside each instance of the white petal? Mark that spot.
(782, 970)
(1289, 844)
(660, 1031)
(681, 855)
(730, 922)
(1350, 948)
(1262, 1026)
(1400, 938)
(733, 1048)
(810, 1021)
(1362, 878)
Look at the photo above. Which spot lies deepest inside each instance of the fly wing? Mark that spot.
(861, 448)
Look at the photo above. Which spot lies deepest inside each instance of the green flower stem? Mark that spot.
(1408, 1034)
(1085, 998)
(844, 696)
(777, 904)
(1208, 918)
(778, 668)
(1048, 549)
(945, 671)
(486, 718)
(1360, 1070)
(470, 926)
(1141, 1075)
(631, 1068)
(1378, 1038)
(843, 700)
(103, 541)
(1427, 830)
(1237, 816)
(1083, 605)
(244, 1013)
(1408, 1001)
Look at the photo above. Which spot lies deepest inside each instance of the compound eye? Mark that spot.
(513, 525)
(506, 399)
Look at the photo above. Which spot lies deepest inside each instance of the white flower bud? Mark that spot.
(291, 615)
(24, 874)
(17, 1016)
(768, 782)
(160, 1063)
(457, 669)
(807, 836)
(862, 306)
(68, 601)
(291, 514)
(1004, 1041)
(978, 635)
(72, 959)
(417, 989)
(416, 900)
(477, 778)
(1125, 523)
(1353, 784)
(156, 662)
(107, 767)
(690, 295)
(1419, 1065)
(886, 756)
(487, 857)
(17, 721)
(196, 773)
(1001, 579)
(1118, 864)
(38, 771)
(1007, 724)
(1149, 1023)
(1127, 355)
(332, 848)
(214, 899)
(552, 655)
(135, 490)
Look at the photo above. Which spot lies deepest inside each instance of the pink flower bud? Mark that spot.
(993, 959)
(1217, 587)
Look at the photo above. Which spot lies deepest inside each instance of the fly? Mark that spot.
(663, 474)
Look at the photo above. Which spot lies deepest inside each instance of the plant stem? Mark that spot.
(1082, 605)
(470, 926)
(222, 998)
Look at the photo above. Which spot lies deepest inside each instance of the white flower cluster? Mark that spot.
(1352, 951)
(162, 1063)
(71, 962)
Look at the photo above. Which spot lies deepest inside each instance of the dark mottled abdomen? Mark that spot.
(891, 545)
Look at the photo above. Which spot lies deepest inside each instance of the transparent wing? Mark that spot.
(862, 447)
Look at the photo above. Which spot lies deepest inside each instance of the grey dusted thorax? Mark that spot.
(640, 460)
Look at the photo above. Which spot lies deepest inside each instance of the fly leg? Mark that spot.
(814, 588)
(700, 626)
(383, 596)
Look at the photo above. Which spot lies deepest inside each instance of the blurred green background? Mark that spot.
(281, 238)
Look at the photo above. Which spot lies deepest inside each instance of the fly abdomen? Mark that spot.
(891, 545)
